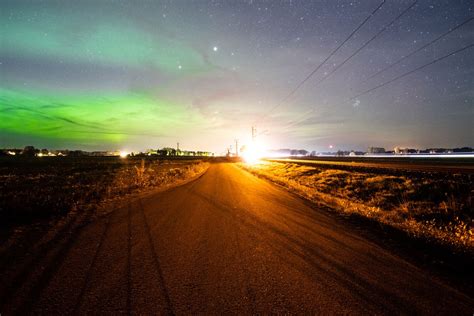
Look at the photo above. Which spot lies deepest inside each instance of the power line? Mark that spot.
(368, 42)
(292, 92)
(383, 29)
(300, 119)
(305, 118)
(421, 48)
(412, 71)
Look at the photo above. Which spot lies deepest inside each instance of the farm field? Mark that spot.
(426, 201)
(35, 193)
(389, 164)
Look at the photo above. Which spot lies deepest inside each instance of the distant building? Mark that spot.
(376, 150)
(151, 152)
(399, 150)
(463, 150)
(104, 153)
(12, 151)
(64, 152)
(437, 150)
(404, 151)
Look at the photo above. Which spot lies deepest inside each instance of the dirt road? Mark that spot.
(226, 242)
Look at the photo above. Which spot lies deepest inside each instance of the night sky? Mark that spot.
(146, 74)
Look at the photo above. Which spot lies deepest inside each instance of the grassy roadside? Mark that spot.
(432, 206)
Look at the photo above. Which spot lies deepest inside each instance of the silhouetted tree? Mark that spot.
(29, 151)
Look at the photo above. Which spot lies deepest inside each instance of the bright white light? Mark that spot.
(123, 154)
(252, 154)
(215, 48)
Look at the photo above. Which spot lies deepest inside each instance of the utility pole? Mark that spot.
(254, 133)
(236, 148)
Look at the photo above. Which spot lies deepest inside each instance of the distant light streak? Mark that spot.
(466, 155)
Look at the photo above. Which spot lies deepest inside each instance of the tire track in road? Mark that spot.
(156, 261)
(129, 259)
(39, 253)
(7, 259)
(41, 266)
(92, 265)
(248, 286)
(100, 258)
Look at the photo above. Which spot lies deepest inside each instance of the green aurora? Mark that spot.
(92, 117)
(135, 75)
(76, 117)
(108, 43)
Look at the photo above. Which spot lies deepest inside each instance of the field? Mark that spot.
(425, 202)
(39, 191)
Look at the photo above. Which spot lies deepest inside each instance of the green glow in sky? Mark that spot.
(132, 110)
(147, 74)
(108, 42)
(88, 119)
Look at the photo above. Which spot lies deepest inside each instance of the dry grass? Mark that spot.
(434, 205)
(39, 189)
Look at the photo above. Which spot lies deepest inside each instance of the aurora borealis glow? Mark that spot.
(137, 75)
